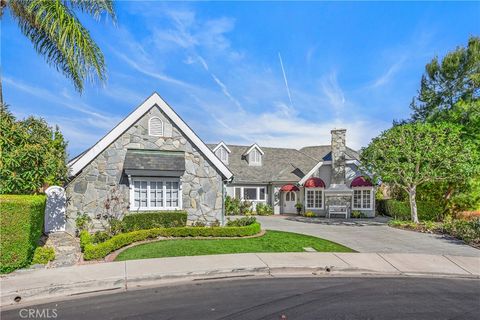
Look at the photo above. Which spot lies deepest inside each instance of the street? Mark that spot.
(277, 298)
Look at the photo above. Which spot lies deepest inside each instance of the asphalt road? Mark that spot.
(278, 298)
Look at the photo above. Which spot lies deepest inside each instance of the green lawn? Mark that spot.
(272, 241)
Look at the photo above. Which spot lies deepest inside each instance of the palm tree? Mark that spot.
(57, 34)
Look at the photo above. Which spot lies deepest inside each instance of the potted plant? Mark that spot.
(299, 207)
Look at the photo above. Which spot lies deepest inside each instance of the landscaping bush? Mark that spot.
(400, 210)
(154, 219)
(100, 236)
(43, 255)
(232, 206)
(96, 251)
(263, 209)
(21, 225)
(466, 230)
(245, 221)
(309, 214)
(245, 208)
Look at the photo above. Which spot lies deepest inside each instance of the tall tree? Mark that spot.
(58, 35)
(455, 78)
(32, 154)
(413, 154)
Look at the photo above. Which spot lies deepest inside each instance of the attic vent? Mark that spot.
(155, 127)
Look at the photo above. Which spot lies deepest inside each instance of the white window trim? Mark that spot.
(150, 127)
(252, 187)
(132, 180)
(323, 198)
(252, 159)
(223, 152)
(361, 198)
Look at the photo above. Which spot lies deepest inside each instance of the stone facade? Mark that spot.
(338, 156)
(201, 183)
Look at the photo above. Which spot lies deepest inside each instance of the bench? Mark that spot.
(337, 209)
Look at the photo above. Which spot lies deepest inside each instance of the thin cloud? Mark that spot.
(388, 76)
(285, 79)
(334, 93)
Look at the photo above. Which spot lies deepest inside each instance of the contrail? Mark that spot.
(285, 78)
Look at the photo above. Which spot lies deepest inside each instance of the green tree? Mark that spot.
(57, 34)
(413, 154)
(32, 154)
(449, 92)
(456, 78)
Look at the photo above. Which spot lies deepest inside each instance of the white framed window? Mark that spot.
(314, 198)
(155, 194)
(255, 157)
(251, 193)
(222, 154)
(362, 199)
(290, 196)
(155, 127)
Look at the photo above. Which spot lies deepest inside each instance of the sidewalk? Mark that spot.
(32, 285)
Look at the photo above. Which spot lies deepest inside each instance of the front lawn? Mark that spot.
(272, 241)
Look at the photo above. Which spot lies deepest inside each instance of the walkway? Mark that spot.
(374, 238)
(33, 285)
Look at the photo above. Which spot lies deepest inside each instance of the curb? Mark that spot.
(36, 286)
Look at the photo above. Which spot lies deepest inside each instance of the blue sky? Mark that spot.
(352, 65)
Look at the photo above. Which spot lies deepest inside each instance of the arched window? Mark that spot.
(155, 127)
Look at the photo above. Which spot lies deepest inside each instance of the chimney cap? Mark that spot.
(339, 129)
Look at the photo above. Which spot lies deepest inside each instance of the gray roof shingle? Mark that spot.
(278, 164)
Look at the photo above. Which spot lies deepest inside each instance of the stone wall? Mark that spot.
(201, 183)
(338, 156)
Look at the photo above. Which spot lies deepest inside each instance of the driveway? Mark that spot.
(373, 238)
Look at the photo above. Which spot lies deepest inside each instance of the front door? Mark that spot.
(289, 201)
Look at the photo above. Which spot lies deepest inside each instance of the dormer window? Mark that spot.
(222, 152)
(254, 155)
(155, 127)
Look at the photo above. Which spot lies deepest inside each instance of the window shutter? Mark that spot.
(155, 127)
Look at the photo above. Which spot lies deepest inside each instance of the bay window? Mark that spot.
(155, 194)
(314, 198)
(362, 199)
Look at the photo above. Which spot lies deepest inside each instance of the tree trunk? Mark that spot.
(412, 194)
(1, 91)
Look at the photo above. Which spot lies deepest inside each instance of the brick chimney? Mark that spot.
(338, 156)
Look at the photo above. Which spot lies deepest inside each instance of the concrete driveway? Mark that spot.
(373, 238)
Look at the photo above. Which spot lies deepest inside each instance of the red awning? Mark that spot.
(289, 187)
(360, 182)
(314, 183)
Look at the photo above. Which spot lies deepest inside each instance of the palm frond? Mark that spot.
(58, 35)
(94, 8)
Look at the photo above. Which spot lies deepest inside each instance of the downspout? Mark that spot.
(223, 198)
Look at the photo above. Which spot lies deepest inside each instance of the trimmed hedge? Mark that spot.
(154, 219)
(400, 210)
(97, 251)
(21, 225)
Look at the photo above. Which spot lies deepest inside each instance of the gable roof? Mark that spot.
(253, 146)
(278, 165)
(221, 144)
(77, 164)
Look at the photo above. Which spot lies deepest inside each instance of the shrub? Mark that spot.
(154, 219)
(100, 236)
(83, 221)
(263, 209)
(232, 206)
(43, 255)
(96, 251)
(199, 223)
(115, 226)
(309, 214)
(245, 208)
(469, 231)
(400, 210)
(21, 225)
(245, 221)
